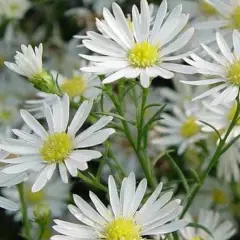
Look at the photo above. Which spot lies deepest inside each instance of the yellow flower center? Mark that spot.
(236, 18)
(14, 7)
(232, 112)
(190, 127)
(206, 8)
(122, 229)
(2, 59)
(5, 115)
(143, 55)
(56, 148)
(196, 238)
(34, 198)
(219, 197)
(234, 73)
(74, 87)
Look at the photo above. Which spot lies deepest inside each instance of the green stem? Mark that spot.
(179, 172)
(142, 159)
(24, 211)
(141, 117)
(93, 183)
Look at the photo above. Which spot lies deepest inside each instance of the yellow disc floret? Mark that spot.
(236, 18)
(219, 196)
(143, 55)
(190, 127)
(56, 148)
(196, 238)
(2, 59)
(232, 112)
(14, 7)
(122, 229)
(74, 87)
(206, 8)
(234, 73)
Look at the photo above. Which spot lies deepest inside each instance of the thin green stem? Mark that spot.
(179, 172)
(24, 210)
(92, 183)
(142, 159)
(141, 117)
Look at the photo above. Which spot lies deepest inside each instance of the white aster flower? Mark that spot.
(197, 9)
(213, 221)
(228, 167)
(228, 16)
(7, 180)
(125, 219)
(216, 193)
(59, 146)
(78, 86)
(220, 117)
(29, 62)
(181, 130)
(144, 51)
(225, 72)
(14, 9)
(55, 195)
(181, 95)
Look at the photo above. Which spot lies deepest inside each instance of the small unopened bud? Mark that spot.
(44, 82)
(42, 213)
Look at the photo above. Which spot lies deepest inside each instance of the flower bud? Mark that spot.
(44, 82)
(42, 213)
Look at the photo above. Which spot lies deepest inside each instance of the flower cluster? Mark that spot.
(141, 109)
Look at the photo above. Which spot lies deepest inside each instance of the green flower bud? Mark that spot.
(42, 213)
(44, 82)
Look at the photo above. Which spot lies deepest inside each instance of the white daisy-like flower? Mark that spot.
(228, 17)
(220, 117)
(29, 62)
(197, 9)
(216, 193)
(181, 94)
(225, 72)
(14, 9)
(125, 219)
(146, 51)
(7, 180)
(59, 146)
(228, 167)
(55, 195)
(219, 228)
(181, 130)
(78, 86)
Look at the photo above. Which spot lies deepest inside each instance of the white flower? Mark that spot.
(144, 51)
(55, 195)
(79, 85)
(7, 180)
(216, 193)
(228, 167)
(219, 228)
(181, 94)
(124, 220)
(59, 146)
(225, 72)
(181, 130)
(220, 117)
(14, 9)
(29, 62)
(197, 9)
(228, 16)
